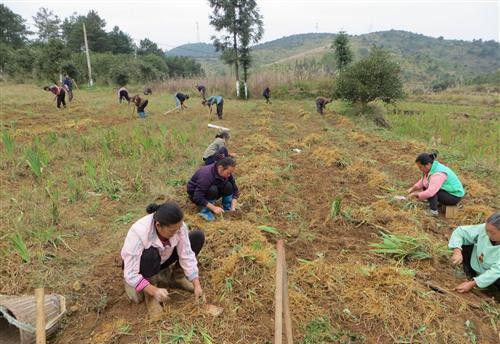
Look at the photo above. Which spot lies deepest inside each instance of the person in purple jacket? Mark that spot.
(213, 182)
(201, 89)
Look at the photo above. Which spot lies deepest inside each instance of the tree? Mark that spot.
(374, 77)
(47, 24)
(50, 59)
(120, 42)
(13, 32)
(146, 47)
(342, 51)
(241, 25)
(72, 28)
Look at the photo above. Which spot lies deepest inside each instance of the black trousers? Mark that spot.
(219, 191)
(61, 99)
(320, 107)
(220, 107)
(468, 270)
(124, 95)
(442, 197)
(142, 106)
(151, 260)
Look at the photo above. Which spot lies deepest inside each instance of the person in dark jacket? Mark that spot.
(140, 104)
(201, 89)
(321, 104)
(68, 84)
(123, 94)
(180, 98)
(267, 94)
(60, 94)
(213, 182)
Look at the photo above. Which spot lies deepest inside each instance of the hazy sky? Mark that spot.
(173, 22)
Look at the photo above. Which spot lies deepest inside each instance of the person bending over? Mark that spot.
(477, 248)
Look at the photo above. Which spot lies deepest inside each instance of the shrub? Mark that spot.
(375, 77)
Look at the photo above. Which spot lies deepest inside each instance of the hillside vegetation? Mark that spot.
(74, 181)
(424, 59)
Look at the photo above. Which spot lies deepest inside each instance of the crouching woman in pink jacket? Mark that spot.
(160, 252)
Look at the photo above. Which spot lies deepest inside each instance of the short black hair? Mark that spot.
(226, 162)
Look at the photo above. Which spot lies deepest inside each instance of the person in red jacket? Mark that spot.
(60, 94)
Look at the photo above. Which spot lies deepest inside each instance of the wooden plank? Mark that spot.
(278, 295)
(286, 305)
(451, 211)
(40, 316)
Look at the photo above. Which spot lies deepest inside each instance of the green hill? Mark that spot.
(196, 50)
(424, 59)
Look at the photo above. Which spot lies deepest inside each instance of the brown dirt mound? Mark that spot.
(379, 297)
(327, 156)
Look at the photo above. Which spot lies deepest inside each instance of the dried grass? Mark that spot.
(380, 297)
(366, 174)
(474, 213)
(474, 188)
(327, 156)
(258, 143)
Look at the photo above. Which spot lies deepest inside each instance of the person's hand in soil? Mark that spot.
(457, 257)
(160, 294)
(234, 203)
(466, 286)
(215, 209)
(414, 194)
(198, 291)
(409, 191)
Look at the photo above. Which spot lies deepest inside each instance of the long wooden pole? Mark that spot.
(278, 295)
(87, 54)
(286, 306)
(40, 316)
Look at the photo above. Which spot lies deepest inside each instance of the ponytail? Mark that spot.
(151, 208)
(426, 158)
(166, 214)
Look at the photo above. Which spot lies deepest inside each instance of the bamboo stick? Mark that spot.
(278, 295)
(40, 316)
(286, 306)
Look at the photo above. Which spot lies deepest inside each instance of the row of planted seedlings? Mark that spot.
(57, 182)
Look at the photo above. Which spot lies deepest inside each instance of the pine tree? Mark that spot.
(343, 54)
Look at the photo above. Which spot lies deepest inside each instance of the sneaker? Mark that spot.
(433, 212)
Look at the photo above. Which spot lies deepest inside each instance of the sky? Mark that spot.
(170, 23)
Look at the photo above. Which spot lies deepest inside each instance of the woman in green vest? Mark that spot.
(438, 185)
(477, 248)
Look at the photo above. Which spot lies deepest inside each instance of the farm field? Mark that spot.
(74, 180)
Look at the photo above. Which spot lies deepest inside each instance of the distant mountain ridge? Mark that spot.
(195, 50)
(422, 58)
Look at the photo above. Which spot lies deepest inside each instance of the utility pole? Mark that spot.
(88, 55)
